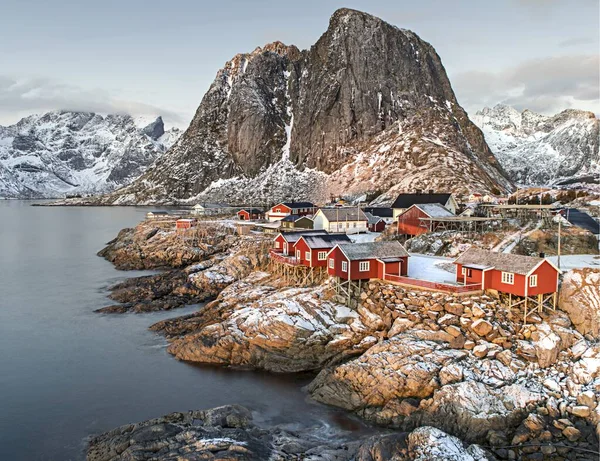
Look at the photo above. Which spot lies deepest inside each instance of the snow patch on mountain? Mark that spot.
(77, 153)
(537, 149)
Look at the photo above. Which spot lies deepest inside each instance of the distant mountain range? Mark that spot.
(72, 153)
(537, 149)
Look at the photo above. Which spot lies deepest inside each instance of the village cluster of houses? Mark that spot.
(533, 279)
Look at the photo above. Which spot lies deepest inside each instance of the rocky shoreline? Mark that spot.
(462, 370)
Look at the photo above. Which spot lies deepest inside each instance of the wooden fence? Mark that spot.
(281, 258)
(429, 285)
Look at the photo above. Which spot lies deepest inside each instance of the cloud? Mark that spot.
(546, 85)
(21, 97)
(576, 41)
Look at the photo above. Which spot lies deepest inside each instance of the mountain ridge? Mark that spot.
(538, 149)
(61, 153)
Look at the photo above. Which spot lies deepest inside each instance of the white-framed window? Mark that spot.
(298, 254)
(363, 266)
(277, 244)
(508, 278)
(331, 263)
(277, 210)
(322, 255)
(344, 266)
(533, 280)
(307, 255)
(464, 271)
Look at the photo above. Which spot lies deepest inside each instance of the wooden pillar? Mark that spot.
(525, 316)
(554, 300)
(540, 303)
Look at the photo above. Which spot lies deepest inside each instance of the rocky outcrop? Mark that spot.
(160, 292)
(157, 246)
(468, 367)
(369, 107)
(253, 324)
(428, 443)
(580, 298)
(72, 153)
(229, 432)
(235, 258)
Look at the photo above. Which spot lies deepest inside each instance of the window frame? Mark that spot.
(322, 256)
(533, 281)
(364, 266)
(344, 266)
(307, 255)
(508, 278)
(331, 263)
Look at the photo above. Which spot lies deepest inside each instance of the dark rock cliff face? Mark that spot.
(320, 109)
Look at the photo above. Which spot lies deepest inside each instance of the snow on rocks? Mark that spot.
(428, 443)
(280, 330)
(580, 298)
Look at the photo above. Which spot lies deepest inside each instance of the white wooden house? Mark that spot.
(349, 220)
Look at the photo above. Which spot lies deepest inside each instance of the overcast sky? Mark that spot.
(149, 57)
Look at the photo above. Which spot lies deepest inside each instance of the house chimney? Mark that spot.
(542, 255)
(419, 191)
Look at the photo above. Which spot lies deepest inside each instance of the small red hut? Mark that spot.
(286, 242)
(410, 223)
(311, 250)
(523, 276)
(185, 223)
(362, 261)
(249, 214)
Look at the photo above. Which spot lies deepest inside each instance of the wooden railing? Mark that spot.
(429, 285)
(277, 255)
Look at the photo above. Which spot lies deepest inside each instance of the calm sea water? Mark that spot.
(67, 372)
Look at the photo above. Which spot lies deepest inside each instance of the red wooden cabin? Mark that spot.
(507, 273)
(375, 223)
(185, 223)
(362, 261)
(410, 223)
(281, 210)
(311, 250)
(248, 214)
(285, 243)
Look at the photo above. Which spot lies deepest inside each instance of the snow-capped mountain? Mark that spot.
(537, 149)
(67, 153)
(368, 108)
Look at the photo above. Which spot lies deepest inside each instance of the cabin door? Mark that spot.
(285, 248)
(298, 255)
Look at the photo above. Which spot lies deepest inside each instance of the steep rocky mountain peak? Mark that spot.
(368, 108)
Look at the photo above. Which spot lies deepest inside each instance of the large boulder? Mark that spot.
(471, 410)
(580, 298)
(430, 444)
(376, 383)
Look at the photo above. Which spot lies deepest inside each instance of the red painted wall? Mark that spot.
(281, 208)
(244, 215)
(379, 227)
(183, 224)
(547, 280)
(337, 257)
(408, 222)
(476, 275)
(282, 241)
